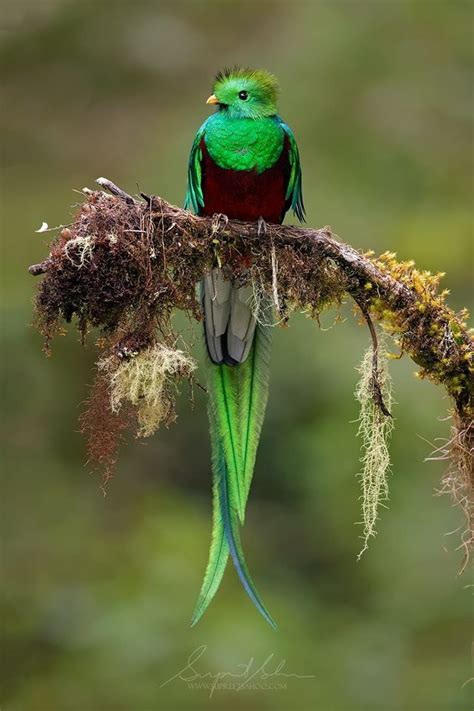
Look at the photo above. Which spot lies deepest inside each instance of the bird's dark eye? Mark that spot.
(243, 95)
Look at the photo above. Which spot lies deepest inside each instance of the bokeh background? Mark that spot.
(99, 590)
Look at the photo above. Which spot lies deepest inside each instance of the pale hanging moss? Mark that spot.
(375, 429)
(146, 380)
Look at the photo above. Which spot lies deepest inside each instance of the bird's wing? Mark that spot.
(194, 199)
(294, 192)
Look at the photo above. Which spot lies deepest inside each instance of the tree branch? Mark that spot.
(124, 265)
(115, 190)
(403, 291)
(41, 268)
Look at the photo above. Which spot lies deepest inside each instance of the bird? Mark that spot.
(244, 163)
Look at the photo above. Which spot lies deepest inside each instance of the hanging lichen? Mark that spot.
(375, 428)
(145, 380)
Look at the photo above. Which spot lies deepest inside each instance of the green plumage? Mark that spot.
(245, 137)
(232, 143)
(253, 379)
(243, 143)
(237, 402)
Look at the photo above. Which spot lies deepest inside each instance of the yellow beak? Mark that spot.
(212, 99)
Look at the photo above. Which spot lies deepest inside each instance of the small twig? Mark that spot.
(115, 190)
(41, 268)
(196, 382)
(376, 387)
(317, 246)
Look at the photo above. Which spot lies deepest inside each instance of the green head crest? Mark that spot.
(245, 93)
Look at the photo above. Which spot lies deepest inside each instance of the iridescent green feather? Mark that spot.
(294, 192)
(194, 199)
(247, 391)
(226, 538)
(219, 550)
(224, 398)
(253, 384)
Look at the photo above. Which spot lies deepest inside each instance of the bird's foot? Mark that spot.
(261, 227)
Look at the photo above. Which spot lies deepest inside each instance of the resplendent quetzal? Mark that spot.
(244, 163)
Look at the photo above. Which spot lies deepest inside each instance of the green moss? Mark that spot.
(430, 332)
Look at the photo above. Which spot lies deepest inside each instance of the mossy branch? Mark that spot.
(125, 264)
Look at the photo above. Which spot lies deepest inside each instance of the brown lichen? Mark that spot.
(458, 480)
(103, 428)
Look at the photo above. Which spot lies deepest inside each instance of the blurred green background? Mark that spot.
(99, 590)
